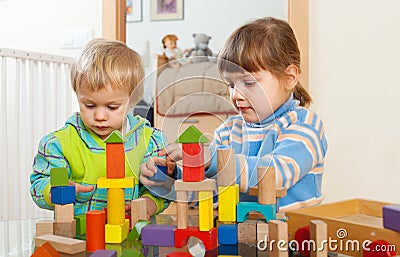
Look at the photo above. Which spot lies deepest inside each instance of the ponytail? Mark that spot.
(301, 94)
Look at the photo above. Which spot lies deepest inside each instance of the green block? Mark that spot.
(131, 253)
(80, 224)
(59, 177)
(114, 138)
(192, 135)
(116, 247)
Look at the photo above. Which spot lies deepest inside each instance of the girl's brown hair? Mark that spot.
(112, 63)
(264, 44)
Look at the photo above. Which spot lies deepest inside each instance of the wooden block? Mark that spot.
(206, 213)
(245, 249)
(278, 230)
(61, 244)
(59, 177)
(138, 210)
(228, 250)
(115, 206)
(182, 209)
(193, 162)
(391, 217)
(115, 160)
(179, 254)
(95, 230)
(280, 192)
(104, 253)
(44, 227)
(116, 234)
(247, 232)
(209, 238)
(161, 175)
(266, 185)
(319, 234)
(64, 213)
(158, 235)
(262, 231)
(205, 185)
(131, 253)
(228, 197)
(65, 229)
(63, 194)
(80, 224)
(226, 175)
(46, 250)
(243, 208)
(115, 182)
(227, 234)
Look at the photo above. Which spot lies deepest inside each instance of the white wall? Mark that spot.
(36, 25)
(354, 66)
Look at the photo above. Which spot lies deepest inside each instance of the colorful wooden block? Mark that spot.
(226, 175)
(319, 235)
(182, 209)
(204, 185)
(80, 224)
(278, 231)
(179, 254)
(64, 212)
(243, 208)
(44, 227)
(65, 229)
(46, 250)
(63, 194)
(95, 230)
(115, 247)
(227, 250)
(247, 232)
(206, 212)
(115, 206)
(391, 217)
(227, 234)
(115, 182)
(209, 238)
(158, 235)
(116, 234)
(138, 211)
(228, 197)
(59, 177)
(115, 155)
(161, 175)
(193, 162)
(61, 244)
(104, 253)
(131, 253)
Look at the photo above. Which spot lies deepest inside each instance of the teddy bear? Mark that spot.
(201, 51)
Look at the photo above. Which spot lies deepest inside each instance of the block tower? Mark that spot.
(117, 227)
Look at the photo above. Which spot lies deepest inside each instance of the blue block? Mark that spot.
(227, 249)
(161, 175)
(243, 208)
(104, 253)
(63, 195)
(227, 234)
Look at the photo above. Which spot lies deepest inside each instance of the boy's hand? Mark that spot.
(148, 169)
(80, 188)
(173, 152)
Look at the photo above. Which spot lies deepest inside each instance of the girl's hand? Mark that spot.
(148, 169)
(173, 152)
(80, 188)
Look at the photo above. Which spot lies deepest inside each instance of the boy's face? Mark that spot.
(256, 95)
(102, 111)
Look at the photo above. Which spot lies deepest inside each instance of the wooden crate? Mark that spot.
(362, 220)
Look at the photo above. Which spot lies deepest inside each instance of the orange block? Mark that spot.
(115, 160)
(95, 230)
(46, 250)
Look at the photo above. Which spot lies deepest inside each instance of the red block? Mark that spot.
(193, 162)
(372, 249)
(46, 250)
(209, 238)
(95, 230)
(179, 254)
(115, 160)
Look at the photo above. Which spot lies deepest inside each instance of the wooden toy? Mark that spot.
(278, 230)
(206, 214)
(245, 249)
(387, 249)
(209, 238)
(58, 177)
(228, 197)
(158, 235)
(104, 253)
(63, 194)
(192, 154)
(319, 235)
(61, 244)
(243, 208)
(114, 154)
(161, 175)
(228, 234)
(228, 250)
(46, 250)
(179, 254)
(95, 230)
(44, 227)
(247, 232)
(64, 213)
(115, 206)
(182, 209)
(117, 233)
(115, 182)
(203, 185)
(266, 185)
(391, 217)
(65, 229)
(80, 224)
(131, 253)
(303, 235)
(226, 175)
(138, 211)
(262, 231)
(358, 219)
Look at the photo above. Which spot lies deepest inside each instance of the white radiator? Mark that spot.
(35, 98)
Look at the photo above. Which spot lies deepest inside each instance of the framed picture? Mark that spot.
(133, 11)
(166, 10)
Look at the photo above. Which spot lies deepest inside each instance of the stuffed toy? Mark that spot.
(201, 50)
(171, 51)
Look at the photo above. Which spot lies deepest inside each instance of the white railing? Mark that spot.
(35, 99)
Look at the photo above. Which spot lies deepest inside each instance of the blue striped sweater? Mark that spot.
(292, 140)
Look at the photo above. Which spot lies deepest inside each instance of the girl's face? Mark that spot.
(256, 95)
(102, 111)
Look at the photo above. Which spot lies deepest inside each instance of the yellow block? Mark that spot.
(115, 182)
(115, 206)
(228, 197)
(206, 216)
(116, 234)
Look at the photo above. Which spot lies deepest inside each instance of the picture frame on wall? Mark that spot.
(134, 11)
(161, 10)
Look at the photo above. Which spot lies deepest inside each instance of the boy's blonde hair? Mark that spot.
(264, 44)
(112, 63)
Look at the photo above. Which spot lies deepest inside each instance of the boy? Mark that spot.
(106, 79)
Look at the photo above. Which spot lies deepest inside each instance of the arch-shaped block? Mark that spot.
(209, 238)
(243, 208)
